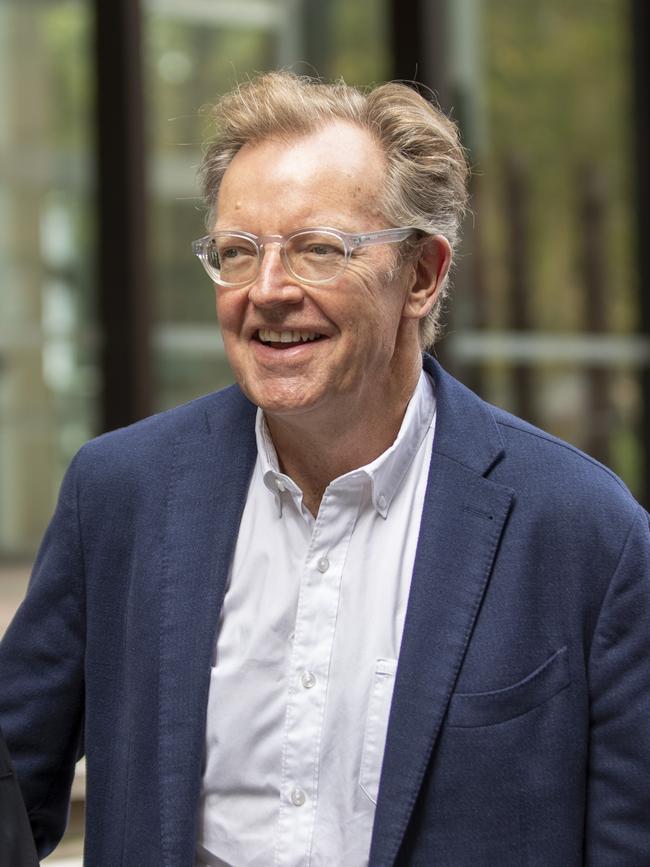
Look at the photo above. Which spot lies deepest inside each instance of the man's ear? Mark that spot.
(428, 276)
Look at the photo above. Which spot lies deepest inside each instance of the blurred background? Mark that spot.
(105, 315)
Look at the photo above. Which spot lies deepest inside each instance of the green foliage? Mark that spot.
(558, 98)
(359, 51)
(65, 31)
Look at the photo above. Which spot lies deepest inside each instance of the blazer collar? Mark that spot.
(466, 431)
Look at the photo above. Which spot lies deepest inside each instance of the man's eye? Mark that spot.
(235, 252)
(323, 250)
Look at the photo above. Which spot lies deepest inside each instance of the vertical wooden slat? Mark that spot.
(419, 44)
(124, 303)
(316, 34)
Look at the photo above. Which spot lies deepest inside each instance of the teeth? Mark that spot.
(268, 336)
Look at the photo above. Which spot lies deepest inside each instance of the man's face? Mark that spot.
(330, 178)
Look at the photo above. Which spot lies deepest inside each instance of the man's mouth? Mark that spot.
(285, 339)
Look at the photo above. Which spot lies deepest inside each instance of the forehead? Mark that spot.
(334, 172)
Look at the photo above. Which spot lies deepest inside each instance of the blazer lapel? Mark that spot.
(206, 497)
(461, 525)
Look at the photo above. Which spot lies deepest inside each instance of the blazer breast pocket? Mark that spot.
(470, 710)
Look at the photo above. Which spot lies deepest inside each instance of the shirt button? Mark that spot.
(381, 501)
(308, 679)
(323, 564)
(298, 797)
(280, 486)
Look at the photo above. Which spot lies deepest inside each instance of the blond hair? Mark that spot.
(426, 169)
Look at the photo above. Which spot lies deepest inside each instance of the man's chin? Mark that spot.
(283, 408)
(289, 405)
(279, 395)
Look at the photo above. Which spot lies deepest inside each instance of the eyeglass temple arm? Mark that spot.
(383, 236)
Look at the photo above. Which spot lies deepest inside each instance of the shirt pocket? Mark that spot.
(468, 710)
(374, 739)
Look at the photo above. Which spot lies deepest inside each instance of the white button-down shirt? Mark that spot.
(306, 655)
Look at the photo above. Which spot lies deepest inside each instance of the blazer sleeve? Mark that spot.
(41, 674)
(617, 829)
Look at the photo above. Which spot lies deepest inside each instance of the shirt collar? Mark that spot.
(388, 470)
(276, 481)
(384, 474)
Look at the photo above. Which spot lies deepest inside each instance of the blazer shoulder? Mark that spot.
(550, 468)
(139, 447)
(194, 418)
(542, 470)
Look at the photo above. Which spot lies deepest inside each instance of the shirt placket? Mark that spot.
(309, 672)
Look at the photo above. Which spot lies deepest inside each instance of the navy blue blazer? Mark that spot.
(519, 734)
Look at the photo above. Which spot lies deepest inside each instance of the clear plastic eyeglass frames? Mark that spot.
(313, 256)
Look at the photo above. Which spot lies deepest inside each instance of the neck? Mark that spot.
(315, 451)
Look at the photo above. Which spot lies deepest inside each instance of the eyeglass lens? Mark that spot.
(313, 256)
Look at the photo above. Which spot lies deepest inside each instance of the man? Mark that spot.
(345, 612)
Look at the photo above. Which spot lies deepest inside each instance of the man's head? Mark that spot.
(293, 155)
(424, 183)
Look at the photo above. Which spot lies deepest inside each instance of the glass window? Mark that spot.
(547, 305)
(48, 346)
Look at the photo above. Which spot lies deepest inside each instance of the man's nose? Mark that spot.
(274, 285)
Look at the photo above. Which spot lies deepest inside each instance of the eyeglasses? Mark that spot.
(312, 256)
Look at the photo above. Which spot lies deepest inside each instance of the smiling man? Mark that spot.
(344, 612)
